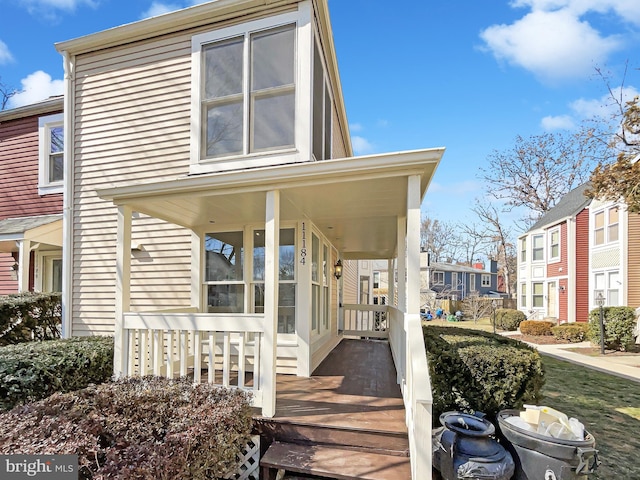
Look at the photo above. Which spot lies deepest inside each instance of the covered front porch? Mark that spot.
(354, 208)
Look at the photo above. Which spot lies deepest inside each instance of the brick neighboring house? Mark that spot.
(577, 250)
(31, 199)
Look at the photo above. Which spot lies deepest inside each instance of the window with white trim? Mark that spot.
(438, 278)
(472, 282)
(523, 295)
(224, 276)
(537, 295)
(608, 285)
(523, 250)
(245, 79)
(537, 252)
(321, 108)
(485, 280)
(554, 244)
(606, 226)
(51, 154)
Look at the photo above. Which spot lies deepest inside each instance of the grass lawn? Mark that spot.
(608, 406)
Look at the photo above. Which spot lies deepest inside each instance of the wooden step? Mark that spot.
(391, 443)
(333, 462)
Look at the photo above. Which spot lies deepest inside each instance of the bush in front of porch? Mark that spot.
(136, 428)
(34, 370)
(478, 371)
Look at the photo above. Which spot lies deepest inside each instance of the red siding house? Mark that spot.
(31, 198)
(553, 262)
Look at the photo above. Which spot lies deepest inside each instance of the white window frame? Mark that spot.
(535, 295)
(535, 249)
(302, 78)
(327, 137)
(523, 250)
(607, 282)
(45, 124)
(556, 257)
(438, 278)
(523, 295)
(472, 283)
(607, 226)
(485, 280)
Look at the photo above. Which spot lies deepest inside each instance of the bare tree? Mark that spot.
(499, 237)
(6, 92)
(538, 171)
(441, 239)
(476, 306)
(475, 241)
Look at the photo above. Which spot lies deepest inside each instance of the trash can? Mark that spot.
(465, 448)
(541, 457)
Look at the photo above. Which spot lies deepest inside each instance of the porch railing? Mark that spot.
(410, 357)
(365, 320)
(220, 349)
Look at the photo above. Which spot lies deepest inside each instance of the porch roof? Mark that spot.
(355, 201)
(42, 228)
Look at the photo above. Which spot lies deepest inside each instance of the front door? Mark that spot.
(552, 299)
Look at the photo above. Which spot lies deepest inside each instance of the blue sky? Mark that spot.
(468, 75)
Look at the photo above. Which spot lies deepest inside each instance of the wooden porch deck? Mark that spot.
(345, 421)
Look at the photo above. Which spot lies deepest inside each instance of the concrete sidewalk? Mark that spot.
(625, 366)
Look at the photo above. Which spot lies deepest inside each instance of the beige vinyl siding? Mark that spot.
(132, 124)
(633, 281)
(350, 282)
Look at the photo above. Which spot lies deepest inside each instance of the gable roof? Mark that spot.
(568, 206)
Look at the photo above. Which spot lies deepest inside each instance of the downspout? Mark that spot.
(67, 202)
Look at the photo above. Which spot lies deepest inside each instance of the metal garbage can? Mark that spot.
(465, 448)
(541, 457)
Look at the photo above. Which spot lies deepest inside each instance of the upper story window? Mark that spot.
(51, 154)
(244, 90)
(438, 278)
(523, 250)
(554, 244)
(485, 280)
(321, 108)
(606, 226)
(537, 252)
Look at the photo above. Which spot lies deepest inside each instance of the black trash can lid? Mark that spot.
(467, 424)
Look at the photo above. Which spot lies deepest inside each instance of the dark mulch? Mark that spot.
(539, 339)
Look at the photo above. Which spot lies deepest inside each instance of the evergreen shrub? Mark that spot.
(25, 317)
(136, 428)
(508, 319)
(536, 327)
(473, 371)
(619, 326)
(571, 332)
(35, 370)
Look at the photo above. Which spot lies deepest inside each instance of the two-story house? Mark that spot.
(577, 250)
(32, 178)
(455, 281)
(213, 201)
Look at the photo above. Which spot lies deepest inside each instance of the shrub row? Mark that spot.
(536, 327)
(571, 332)
(477, 371)
(619, 323)
(136, 428)
(508, 319)
(26, 317)
(35, 370)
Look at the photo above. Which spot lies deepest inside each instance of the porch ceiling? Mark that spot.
(355, 201)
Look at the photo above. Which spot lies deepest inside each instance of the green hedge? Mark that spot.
(619, 325)
(508, 319)
(25, 317)
(473, 370)
(136, 428)
(35, 370)
(571, 332)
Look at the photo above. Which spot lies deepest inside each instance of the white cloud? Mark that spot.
(356, 127)
(625, 10)
(5, 54)
(361, 146)
(36, 87)
(159, 8)
(551, 44)
(558, 122)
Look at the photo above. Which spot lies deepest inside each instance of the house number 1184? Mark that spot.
(303, 248)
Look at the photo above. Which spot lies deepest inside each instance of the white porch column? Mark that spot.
(123, 290)
(24, 257)
(271, 277)
(413, 244)
(196, 271)
(402, 264)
